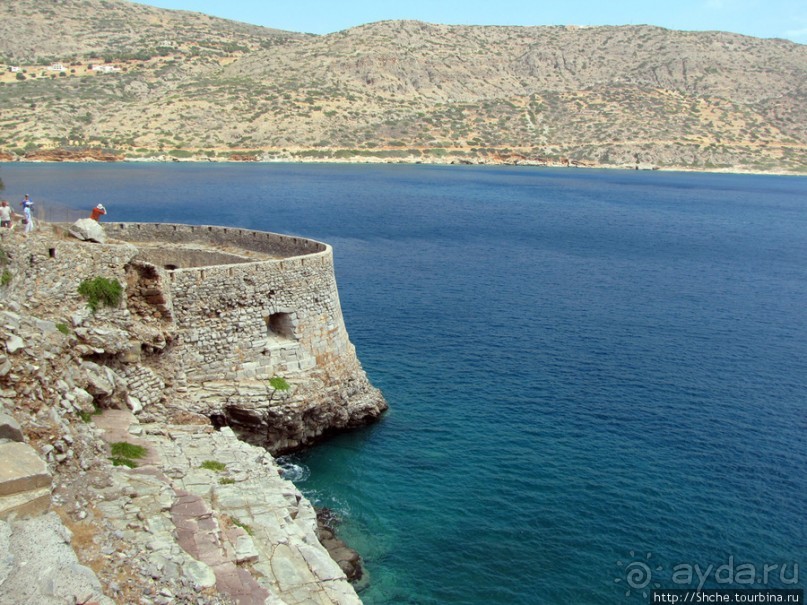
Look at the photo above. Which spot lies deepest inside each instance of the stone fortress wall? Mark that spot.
(208, 314)
(246, 306)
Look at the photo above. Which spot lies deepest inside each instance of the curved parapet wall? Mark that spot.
(248, 306)
(274, 244)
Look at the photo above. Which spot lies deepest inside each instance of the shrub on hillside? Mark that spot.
(101, 290)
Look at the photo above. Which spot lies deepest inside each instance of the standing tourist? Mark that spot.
(5, 215)
(98, 212)
(27, 215)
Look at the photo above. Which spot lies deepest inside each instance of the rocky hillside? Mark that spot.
(183, 85)
(60, 30)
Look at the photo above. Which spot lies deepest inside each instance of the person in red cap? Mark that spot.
(98, 212)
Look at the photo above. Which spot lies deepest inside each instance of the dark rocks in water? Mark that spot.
(348, 559)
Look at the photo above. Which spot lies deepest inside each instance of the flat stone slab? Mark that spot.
(21, 469)
(199, 534)
(115, 424)
(10, 428)
(23, 505)
(42, 568)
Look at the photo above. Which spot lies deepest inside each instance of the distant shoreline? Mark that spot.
(360, 161)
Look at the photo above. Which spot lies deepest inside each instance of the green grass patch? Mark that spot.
(279, 383)
(226, 481)
(124, 449)
(125, 454)
(63, 328)
(6, 277)
(87, 416)
(101, 290)
(212, 465)
(123, 462)
(243, 526)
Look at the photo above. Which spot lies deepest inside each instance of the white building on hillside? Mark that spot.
(105, 69)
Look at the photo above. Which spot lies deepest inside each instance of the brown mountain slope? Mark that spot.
(465, 63)
(31, 30)
(413, 91)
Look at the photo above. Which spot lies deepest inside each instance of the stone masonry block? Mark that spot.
(27, 504)
(21, 469)
(10, 428)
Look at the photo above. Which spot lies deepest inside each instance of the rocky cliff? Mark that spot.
(202, 517)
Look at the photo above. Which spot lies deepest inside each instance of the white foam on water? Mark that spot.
(293, 469)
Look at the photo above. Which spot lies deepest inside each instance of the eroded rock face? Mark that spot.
(73, 155)
(283, 422)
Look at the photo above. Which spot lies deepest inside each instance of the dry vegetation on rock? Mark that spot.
(192, 86)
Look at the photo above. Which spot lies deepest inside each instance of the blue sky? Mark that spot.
(762, 18)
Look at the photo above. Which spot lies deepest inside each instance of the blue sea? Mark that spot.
(597, 379)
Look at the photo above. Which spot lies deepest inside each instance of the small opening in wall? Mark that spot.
(52, 252)
(218, 420)
(171, 267)
(280, 324)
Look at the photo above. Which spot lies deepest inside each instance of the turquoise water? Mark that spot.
(590, 373)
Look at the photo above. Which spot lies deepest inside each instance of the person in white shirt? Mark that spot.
(5, 215)
(27, 215)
